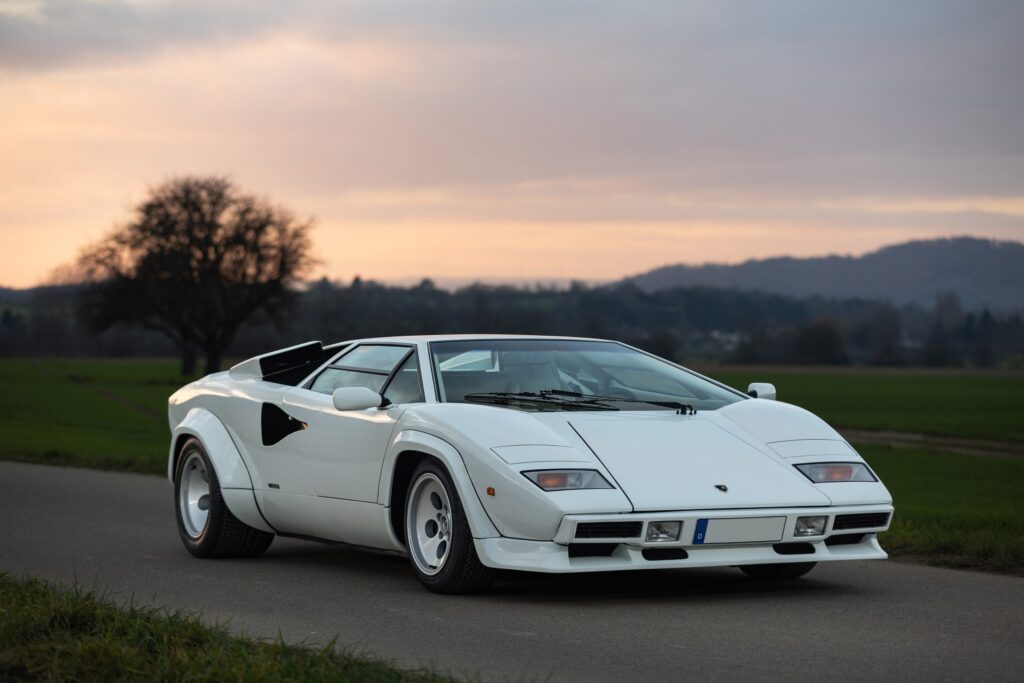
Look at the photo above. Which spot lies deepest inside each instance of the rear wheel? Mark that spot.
(437, 535)
(789, 570)
(205, 524)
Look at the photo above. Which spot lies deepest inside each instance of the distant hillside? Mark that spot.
(981, 272)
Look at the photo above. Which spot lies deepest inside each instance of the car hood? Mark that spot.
(667, 461)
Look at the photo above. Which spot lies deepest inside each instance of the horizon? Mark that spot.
(454, 283)
(523, 143)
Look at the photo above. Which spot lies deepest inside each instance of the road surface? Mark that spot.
(863, 621)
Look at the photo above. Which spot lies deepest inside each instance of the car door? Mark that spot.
(341, 453)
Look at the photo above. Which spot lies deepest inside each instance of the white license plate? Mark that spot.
(739, 530)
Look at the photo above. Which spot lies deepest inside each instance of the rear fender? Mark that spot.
(235, 483)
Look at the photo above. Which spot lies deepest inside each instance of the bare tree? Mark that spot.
(197, 260)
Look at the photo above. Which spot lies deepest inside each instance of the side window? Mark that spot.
(406, 386)
(364, 366)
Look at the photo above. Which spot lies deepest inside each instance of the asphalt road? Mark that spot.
(862, 621)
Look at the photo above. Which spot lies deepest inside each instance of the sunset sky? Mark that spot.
(519, 140)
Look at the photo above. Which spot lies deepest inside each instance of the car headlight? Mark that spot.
(826, 472)
(567, 480)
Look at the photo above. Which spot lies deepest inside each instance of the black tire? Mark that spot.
(224, 534)
(777, 572)
(462, 571)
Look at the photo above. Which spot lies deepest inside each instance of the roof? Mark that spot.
(465, 337)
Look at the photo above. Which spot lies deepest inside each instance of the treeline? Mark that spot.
(693, 325)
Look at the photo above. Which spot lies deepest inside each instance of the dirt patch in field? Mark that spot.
(948, 444)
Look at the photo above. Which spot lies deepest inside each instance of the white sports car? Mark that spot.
(472, 454)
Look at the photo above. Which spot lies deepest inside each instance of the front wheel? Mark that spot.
(437, 535)
(205, 524)
(788, 570)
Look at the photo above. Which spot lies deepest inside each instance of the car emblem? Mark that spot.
(722, 487)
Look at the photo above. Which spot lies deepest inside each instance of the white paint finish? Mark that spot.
(857, 493)
(341, 453)
(227, 462)
(355, 398)
(331, 519)
(412, 440)
(515, 455)
(548, 557)
(771, 421)
(489, 426)
(675, 462)
(814, 447)
(762, 390)
(745, 530)
(242, 503)
(238, 405)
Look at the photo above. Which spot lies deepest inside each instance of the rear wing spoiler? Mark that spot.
(287, 366)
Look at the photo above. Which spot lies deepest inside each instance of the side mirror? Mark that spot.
(356, 398)
(762, 390)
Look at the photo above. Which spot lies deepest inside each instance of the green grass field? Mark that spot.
(75, 635)
(951, 509)
(945, 403)
(102, 414)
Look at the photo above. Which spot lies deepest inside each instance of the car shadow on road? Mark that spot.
(707, 584)
(691, 584)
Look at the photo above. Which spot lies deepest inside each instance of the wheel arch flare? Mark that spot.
(232, 473)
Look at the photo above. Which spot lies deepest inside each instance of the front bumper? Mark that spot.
(557, 556)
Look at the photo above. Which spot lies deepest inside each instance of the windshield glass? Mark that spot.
(555, 374)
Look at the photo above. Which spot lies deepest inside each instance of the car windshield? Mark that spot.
(557, 375)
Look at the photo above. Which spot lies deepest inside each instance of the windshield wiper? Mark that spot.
(541, 399)
(681, 408)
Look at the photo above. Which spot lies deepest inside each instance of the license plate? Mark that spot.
(739, 530)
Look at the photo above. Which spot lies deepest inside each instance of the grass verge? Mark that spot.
(953, 510)
(55, 635)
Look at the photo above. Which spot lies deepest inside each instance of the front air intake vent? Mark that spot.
(609, 529)
(844, 539)
(867, 520)
(591, 549)
(793, 548)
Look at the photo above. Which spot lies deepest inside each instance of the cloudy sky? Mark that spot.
(511, 140)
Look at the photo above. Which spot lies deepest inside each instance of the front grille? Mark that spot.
(609, 529)
(867, 520)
